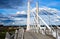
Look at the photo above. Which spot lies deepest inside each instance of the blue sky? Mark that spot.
(21, 5)
(10, 7)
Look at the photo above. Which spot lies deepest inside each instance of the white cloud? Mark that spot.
(13, 23)
(52, 10)
(18, 12)
(33, 10)
(17, 18)
(21, 12)
(56, 20)
(19, 22)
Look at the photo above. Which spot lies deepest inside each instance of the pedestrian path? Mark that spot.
(32, 35)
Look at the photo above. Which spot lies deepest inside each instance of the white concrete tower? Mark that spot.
(37, 11)
(28, 17)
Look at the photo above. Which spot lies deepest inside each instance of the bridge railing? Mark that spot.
(49, 31)
(19, 34)
(7, 36)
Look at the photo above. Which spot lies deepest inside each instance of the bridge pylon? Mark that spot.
(28, 17)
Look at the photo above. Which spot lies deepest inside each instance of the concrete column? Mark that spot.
(28, 17)
(7, 36)
(16, 34)
(37, 14)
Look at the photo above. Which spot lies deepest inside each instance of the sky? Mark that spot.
(13, 7)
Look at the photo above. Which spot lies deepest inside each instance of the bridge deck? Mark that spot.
(31, 35)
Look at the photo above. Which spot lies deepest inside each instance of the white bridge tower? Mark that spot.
(28, 16)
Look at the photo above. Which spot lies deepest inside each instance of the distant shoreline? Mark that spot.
(24, 25)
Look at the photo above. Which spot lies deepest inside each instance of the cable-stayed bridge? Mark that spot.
(36, 31)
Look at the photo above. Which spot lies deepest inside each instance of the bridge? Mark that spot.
(36, 31)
